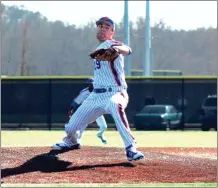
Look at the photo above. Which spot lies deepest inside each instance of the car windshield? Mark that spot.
(154, 110)
(211, 102)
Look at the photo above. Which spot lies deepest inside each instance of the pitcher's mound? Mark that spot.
(108, 165)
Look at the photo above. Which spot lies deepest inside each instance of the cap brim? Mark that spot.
(99, 22)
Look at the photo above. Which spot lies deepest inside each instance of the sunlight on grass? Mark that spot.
(144, 138)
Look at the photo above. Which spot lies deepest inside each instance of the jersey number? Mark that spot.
(97, 64)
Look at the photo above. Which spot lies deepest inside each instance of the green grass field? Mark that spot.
(144, 139)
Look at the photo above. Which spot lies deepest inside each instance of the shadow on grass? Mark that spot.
(47, 163)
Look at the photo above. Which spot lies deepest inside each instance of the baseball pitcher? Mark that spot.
(109, 95)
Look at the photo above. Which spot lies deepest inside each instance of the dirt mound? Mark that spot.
(107, 165)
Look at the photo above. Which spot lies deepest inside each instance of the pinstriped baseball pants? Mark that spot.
(95, 105)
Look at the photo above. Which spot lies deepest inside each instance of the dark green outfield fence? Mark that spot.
(44, 101)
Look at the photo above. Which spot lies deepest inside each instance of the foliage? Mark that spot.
(56, 48)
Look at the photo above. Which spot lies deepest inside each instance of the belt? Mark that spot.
(103, 90)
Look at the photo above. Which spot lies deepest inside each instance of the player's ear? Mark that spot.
(112, 32)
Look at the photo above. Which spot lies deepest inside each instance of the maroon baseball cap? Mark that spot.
(107, 21)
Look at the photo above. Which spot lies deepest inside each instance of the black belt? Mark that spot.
(102, 90)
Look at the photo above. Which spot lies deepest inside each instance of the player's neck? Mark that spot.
(101, 41)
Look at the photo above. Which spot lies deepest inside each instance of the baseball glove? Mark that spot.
(105, 54)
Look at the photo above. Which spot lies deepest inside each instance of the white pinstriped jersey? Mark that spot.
(82, 96)
(112, 72)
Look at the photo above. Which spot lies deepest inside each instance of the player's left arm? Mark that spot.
(122, 49)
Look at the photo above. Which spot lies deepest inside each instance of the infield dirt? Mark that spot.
(108, 165)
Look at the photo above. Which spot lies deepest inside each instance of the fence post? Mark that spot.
(183, 107)
(49, 103)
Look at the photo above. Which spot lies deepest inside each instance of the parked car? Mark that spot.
(158, 117)
(208, 116)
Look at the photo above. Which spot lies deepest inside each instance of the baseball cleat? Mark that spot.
(101, 137)
(65, 147)
(134, 156)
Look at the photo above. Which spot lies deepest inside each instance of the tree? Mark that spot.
(56, 48)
